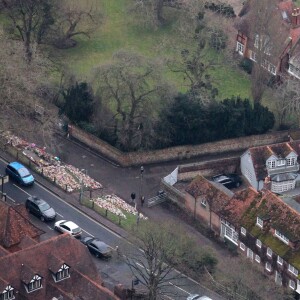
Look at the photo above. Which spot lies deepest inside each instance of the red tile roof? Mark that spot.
(84, 281)
(15, 225)
(201, 187)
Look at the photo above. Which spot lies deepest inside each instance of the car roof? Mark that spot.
(100, 245)
(36, 200)
(16, 165)
(70, 224)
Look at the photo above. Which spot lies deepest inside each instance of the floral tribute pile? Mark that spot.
(66, 176)
(117, 206)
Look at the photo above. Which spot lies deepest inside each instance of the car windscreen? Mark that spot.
(76, 230)
(102, 246)
(44, 206)
(23, 172)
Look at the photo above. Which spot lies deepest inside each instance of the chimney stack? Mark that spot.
(296, 17)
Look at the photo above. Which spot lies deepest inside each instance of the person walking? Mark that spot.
(142, 200)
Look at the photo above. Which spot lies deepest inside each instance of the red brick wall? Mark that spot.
(176, 153)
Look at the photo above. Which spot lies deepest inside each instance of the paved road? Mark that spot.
(113, 271)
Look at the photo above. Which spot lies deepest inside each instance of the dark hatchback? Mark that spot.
(228, 180)
(40, 208)
(97, 247)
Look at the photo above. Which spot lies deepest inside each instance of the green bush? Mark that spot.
(246, 64)
(218, 40)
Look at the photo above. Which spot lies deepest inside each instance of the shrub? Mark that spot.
(246, 64)
(218, 40)
(221, 8)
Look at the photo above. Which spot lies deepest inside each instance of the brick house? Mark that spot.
(274, 167)
(259, 224)
(58, 268)
(280, 56)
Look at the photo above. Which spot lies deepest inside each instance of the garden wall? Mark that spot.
(175, 153)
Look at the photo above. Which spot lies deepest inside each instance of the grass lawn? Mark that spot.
(120, 31)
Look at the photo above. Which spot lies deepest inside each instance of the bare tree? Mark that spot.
(134, 87)
(72, 19)
(164, 246)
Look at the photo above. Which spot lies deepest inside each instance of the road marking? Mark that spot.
(59, 214)
(179, 288)
(11, 199)
(50, 227)
(21, 189)
(79, 211)
(87, 232)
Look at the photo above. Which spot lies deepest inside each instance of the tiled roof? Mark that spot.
(234, 210)
(84, 281)
(260, 155)
(201, 187)
(14, 225)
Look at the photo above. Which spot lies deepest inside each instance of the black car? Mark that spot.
(228, 180)
(40, 208)
(97, 247)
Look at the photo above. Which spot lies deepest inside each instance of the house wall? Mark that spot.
(248, 171)
(175, 153)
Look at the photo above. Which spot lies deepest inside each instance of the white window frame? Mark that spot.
(268, 267)
(269, 252)
(253, 56)
(250, 254)
(240, 48)
(34, 284)
(257, 258)
(243, 231)
(259, 222)
(203, 202)
(281, 162)
(256, 41)
(294, 71)
(62, 273)
(282, 237)
(242, 246)
(293, 270)
(279, 260)
(258, 243)
(8, 293)
(292, 284)
(272, 164)
(290, 161)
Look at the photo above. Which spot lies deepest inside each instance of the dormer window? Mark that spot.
(243, 231)
(8, 293)
(62, 273)
(269, 252)
(272, 164)
(282, 237)
(291, 161)
(259, 222)
(34, 284)
(203, 202)
(293, 270)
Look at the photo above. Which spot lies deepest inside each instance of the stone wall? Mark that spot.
(173, 194)
(176, 153)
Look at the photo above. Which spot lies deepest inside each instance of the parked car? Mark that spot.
(19, 173)
(228, 180)
(97, 247)
(40, 208)
(68, 227)
(197, 297)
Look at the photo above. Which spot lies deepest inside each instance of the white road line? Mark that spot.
(73, 207)
(50, 227)
(59, 215)
(87, 232)
(10, 199)
(21, 189)
(179, 287)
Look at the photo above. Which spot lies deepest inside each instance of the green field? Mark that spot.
(119, 30)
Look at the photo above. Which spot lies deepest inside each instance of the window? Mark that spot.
(253, 56)
(256, 41)
(258, 243)
(240, 48)
(294, 71)
(242, 246)
(259, 222)
(34, 284)
(282, 237)
(269, 252)
(257, 258)
(293, 270)
(243, 231)
(203, 202)
(7, 294)
(250, 254)
(63, 273)
(268, 267)
(279, 260)
(271, 164)
(290, 161)
(292, 284)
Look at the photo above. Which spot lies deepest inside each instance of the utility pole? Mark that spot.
(141, 182)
